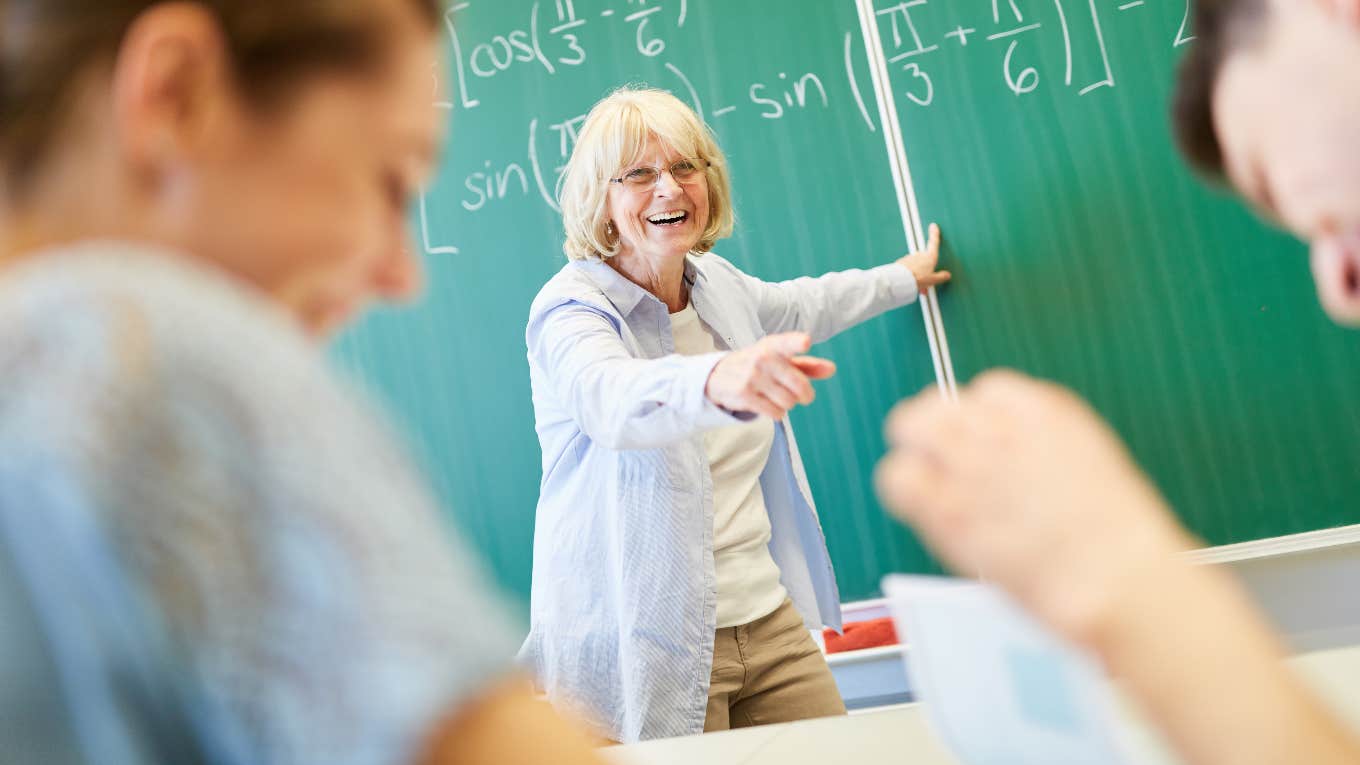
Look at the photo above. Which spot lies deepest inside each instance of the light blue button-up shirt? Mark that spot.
(623, 603)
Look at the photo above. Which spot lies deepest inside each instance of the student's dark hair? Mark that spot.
(1221, 28)
(49, 47)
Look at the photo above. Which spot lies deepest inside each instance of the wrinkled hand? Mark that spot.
(769, 378)
(922, 264)
(1021, 482)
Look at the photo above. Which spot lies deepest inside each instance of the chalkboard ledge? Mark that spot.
(1276, 546)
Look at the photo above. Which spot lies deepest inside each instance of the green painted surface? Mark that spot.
(1086, 253)
(1083, 251)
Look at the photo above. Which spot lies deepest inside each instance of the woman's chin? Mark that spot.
(676, 243)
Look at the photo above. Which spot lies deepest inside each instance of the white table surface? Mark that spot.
(902, 734)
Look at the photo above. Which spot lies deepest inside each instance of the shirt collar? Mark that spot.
(625, 295)
(694, 270)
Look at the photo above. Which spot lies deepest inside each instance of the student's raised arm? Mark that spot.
(1021, 480)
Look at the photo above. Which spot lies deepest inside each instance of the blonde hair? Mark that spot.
(615, 135)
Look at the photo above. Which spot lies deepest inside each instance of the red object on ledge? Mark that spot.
(857, 635)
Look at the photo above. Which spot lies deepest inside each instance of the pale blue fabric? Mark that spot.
(85, 674)
(219, 550)
(624, 594)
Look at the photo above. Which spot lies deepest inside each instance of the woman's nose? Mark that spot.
(666, 185)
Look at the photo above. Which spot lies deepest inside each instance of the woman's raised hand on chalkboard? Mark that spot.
(923, 264)
(1022, 482)
(768, 378)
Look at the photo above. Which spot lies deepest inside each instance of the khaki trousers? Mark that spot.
(769, 671)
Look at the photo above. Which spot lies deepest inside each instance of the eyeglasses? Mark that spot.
(684, 171)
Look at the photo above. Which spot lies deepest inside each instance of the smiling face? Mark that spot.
(636, 129)
(663, 222)
(1286, 110)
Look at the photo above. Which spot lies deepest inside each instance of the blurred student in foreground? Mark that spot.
(1023, 480)
(210, 551)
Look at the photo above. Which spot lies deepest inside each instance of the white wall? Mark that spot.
(1313, 597)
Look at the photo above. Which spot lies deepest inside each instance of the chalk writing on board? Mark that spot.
(1181, 37)
(546, 40)
(557, 47)
(549, 143)
(550, 37)
(491, 184)
(905, 29)
(551, 48)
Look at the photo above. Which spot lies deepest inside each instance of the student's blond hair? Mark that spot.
(615, 135)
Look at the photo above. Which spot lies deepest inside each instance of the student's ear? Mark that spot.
(1347, 11)
(170, 77)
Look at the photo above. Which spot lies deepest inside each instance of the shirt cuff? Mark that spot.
(709, 414)
(899, 281)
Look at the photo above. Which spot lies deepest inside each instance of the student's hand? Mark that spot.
(769, 378)
(507, 725)
(1021, 483)
(922, 264)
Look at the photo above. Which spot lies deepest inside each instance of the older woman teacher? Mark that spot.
(678, 560)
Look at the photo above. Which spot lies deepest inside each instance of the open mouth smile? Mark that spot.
(669, 218)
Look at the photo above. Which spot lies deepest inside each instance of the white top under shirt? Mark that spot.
(748, 579)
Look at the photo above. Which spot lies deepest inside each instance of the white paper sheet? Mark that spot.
(999, 688)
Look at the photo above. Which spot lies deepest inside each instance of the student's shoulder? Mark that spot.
(104, 280)
(133, 321)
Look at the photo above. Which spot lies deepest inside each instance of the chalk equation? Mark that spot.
(558, 47)
(550, 37)
(549, 144)
(1010, 27)
(554, 47)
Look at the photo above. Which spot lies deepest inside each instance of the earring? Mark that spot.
(609, 228)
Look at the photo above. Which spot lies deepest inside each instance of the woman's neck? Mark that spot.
(663, 276)
(75, 197)
(18, 236)
(40, 218)
(22, 234)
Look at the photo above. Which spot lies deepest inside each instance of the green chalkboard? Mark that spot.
(1086, 253)
(1083, 251)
